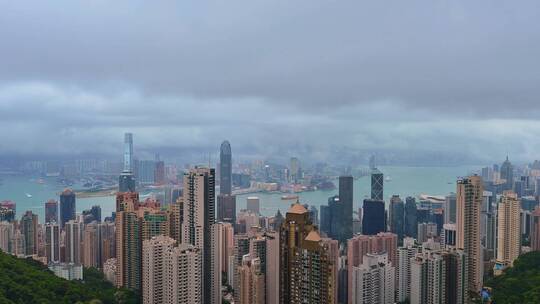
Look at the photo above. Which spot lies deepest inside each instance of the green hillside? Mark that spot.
(28, 281)
(519, 284)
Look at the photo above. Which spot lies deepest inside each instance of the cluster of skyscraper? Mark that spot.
(199, 249)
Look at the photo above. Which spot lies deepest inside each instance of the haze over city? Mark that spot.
(420, 82)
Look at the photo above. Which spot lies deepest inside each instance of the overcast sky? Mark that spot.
(287, 77)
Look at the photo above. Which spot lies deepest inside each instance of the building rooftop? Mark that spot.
(297, 208)
(313, 236)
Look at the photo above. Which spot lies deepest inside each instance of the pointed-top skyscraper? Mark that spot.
(126, 182)
(225, 168)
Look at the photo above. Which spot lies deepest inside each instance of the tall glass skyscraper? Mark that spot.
(126, 182)
(346, 200)
(377, 184)
(411, 220)
(225, 168)
(67, 207)
(373, 220)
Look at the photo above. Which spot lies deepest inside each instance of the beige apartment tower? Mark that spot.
(508, 229)
(468, 207)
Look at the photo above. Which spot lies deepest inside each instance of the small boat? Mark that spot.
(388, 179)
(289, 197)
(28, 195)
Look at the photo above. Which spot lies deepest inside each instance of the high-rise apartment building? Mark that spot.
(183, 275)
(128, 241)
(197, 226)
(6, 236)
(251, 281)
(403, 272)
(51, 211)
(72, 242)
(509, 232)
(67, 207)
(438, 277)
(377, 185)
(535, 230)
(361, 245)
(306, 267)
(91, 246)
(52, 242)
(373, 282)
(469, 202)
(154, 251)
(29, 228)
(225, 168)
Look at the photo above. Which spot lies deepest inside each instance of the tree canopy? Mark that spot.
(28, 281)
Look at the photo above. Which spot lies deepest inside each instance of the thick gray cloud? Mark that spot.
(272, 76)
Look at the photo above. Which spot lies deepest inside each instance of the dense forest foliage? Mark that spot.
(28, 281)
(519, 284)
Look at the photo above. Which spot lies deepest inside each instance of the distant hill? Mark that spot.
(28, 281)
(519, 284)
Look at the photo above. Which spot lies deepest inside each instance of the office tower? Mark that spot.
(272, 264)
(226, 208)
(183, 275)
(253, 204)
(6, 235)
(252, 285)
(449, 235)
(373, 282)
(225, 168)
(154, 267)
(438, 277)
(426, 231)
(346, 189)
(507, 174)
(128, 241)
(51, 211)
(67, 207)
(397, 216)
(403, 271)
(295, 173)
(74, 233)
(373, 220)
(159, 173)
(91, 246)
(508, 234)
(146, 170)
(411, 222)
(199, 218)
(469, 201)
(126, 181)
(306, 269)
(535, 230)
(29, 228)
(377, 185)
(450, 208)
(52, 242)
(313, 214)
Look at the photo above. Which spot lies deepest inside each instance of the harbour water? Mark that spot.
(405, 181)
